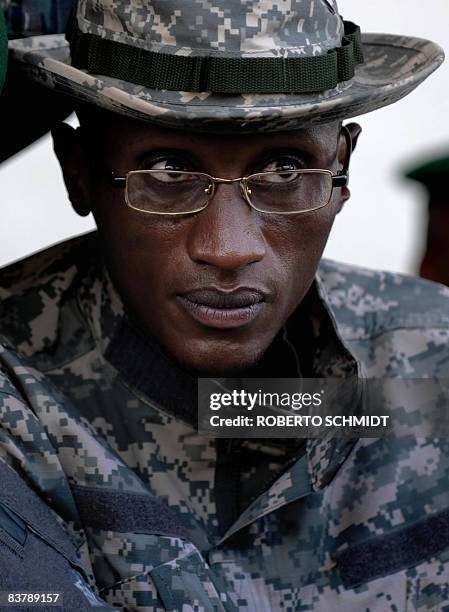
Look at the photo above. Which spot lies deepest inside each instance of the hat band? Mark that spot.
(217, 74)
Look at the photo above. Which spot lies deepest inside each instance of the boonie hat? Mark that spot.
(250, 65)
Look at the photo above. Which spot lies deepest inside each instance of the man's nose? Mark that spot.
(228, 233)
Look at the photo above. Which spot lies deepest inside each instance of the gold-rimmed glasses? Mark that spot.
(283, 192)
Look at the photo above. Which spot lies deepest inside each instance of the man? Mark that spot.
(213, 205)
(435, 260)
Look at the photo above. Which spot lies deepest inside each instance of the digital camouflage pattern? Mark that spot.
(393, 66)
(344, 525)
(260, 28)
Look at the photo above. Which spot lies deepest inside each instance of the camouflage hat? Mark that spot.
(254, 65)
(3, 50)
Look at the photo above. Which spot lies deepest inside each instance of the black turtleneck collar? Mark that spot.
(145, 367)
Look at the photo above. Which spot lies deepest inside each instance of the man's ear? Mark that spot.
(354, 130)
(68, 149)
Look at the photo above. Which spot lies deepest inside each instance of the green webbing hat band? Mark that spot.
(215, 74)
(3, 49)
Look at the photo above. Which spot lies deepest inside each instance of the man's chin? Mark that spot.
(218, 366)
(228, 372)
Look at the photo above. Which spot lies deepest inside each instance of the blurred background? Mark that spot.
(384, 225)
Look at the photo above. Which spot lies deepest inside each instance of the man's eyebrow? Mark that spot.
(160, 150)
(315, 137)
(310, 147)
(271, 153)
(288, 147)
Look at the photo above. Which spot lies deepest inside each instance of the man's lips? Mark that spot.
(221, 309)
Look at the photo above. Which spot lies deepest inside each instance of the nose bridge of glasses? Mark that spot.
(215, 181)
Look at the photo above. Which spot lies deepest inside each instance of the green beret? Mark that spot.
(431, 173)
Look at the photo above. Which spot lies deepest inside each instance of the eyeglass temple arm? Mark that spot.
(341, 179)
(117, 181)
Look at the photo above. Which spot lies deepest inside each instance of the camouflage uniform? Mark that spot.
(131, 504)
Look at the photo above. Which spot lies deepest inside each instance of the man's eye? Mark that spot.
(285, 167)
(171, 170)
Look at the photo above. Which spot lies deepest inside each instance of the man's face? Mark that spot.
(213, 288)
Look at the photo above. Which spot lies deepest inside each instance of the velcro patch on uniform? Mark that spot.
(124, 511)
(393, 552)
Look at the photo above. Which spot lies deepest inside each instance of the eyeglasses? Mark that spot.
(284, 192)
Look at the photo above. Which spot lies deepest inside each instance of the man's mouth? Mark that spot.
(223, 310)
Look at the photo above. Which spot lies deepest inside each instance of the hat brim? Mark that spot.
(393, 67)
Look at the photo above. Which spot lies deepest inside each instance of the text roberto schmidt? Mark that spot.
(297, 420)
(285, 407)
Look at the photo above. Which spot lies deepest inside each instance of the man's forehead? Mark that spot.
(130, 130)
